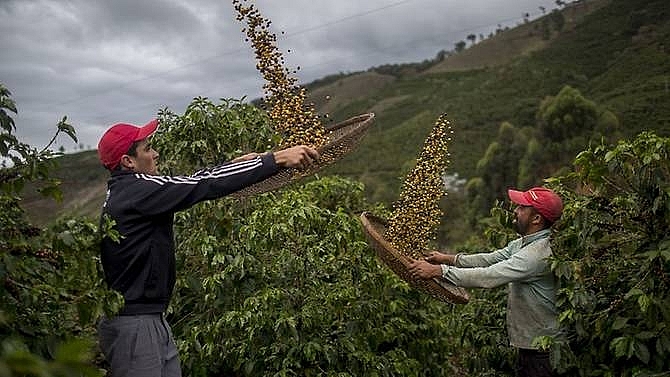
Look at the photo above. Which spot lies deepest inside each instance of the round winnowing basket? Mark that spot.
(375, 228)
(343, 137)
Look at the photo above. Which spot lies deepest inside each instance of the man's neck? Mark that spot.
(531, 236)
(532, 230)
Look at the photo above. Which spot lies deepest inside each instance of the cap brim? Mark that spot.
(518, 197)
(147, 130)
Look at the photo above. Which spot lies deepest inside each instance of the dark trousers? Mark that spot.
(139, 346)
(533, 363)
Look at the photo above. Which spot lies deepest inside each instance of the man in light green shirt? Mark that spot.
(523, 266)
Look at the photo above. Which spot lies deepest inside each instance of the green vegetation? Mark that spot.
(50, 292)
(284, 283)
(614, 259)
(615, 57)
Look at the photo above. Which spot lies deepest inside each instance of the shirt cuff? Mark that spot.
(445, 270)
(269, 160)
(456, 258)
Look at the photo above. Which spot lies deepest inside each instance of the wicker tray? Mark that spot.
(375, 228)
(343, 137)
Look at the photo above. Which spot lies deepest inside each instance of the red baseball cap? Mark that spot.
(117, 140)
(546, 202)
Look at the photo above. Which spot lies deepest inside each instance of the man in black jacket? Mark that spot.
(141, 266)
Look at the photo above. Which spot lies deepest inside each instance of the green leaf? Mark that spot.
(23, 363)
(63, 126)
(633, 293)
(78, 351)
(619, 323)
(642, 352)
(645, 335)
(620, 346)
(663, 344)
(643, 301)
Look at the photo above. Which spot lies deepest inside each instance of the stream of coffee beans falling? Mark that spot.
(295, 120)
(416, 214)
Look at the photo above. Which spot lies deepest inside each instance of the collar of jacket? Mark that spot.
(117, 173)
(527, 239)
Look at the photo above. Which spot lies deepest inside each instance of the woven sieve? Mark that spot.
(375, 228)
(343, 137)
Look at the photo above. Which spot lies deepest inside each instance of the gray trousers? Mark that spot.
(139, 346)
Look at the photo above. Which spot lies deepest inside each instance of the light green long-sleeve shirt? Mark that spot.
(523, 265)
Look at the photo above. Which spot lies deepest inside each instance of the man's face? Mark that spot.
(145, 159)
(523, 218)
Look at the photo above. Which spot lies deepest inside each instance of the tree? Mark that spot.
(498, 169)
(558, 19)
(545, 29)
(472, 38)
(459, 46)
(569, 121)
(479, 199)
(567, 115)
(531, 165)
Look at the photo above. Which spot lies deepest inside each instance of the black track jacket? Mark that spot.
(142, 265)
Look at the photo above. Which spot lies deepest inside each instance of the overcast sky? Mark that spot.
(100, 62)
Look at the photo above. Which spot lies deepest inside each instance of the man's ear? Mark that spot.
(538, 219)
(127, 162)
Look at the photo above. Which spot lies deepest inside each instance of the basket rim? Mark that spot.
(436, 287)
(360, 121)
(284, 176)
(366, 117)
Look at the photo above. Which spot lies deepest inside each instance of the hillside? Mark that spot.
(612, 51)
(517, 42)
(614, 55)
(83, 183)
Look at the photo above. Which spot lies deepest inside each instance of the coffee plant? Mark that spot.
(284, 283)
(50, 286)
(613, 258)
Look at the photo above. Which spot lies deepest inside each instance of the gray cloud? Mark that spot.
(101, 62)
